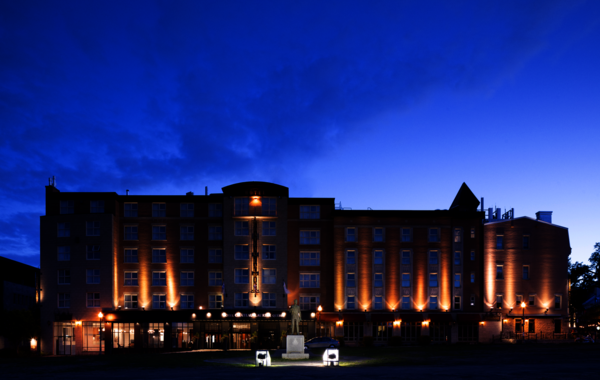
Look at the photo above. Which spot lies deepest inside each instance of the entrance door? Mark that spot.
(212, 340)
(241, 341)
(64, 338)
(518, 326)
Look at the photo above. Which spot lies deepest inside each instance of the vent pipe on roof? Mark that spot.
(481, 204)
(127, 192)
(544, 216)
(206, 190)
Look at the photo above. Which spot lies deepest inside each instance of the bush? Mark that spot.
(395, 341)
(367, 341)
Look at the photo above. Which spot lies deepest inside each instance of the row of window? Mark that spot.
(378, 256)
(500, 242)
(500, 272)
(131, 209)
(531, 301)
(406, 234)
(405, 304)
(433, 280)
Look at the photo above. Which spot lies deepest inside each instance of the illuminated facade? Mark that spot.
(181, 272)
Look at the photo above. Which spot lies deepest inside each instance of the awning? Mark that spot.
(411, 317)
(469, 317)
(354, 317)
(329, 317)
(389, 317)
(441, 317)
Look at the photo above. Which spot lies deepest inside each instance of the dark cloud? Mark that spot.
(160, 95)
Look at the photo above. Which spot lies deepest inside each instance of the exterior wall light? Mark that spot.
(320, 309)
(331, 357)
(268, 315)
(224, 314)
(283, 314)
(208, 315)
(193, 315)
(253, 315)
(238, 314)
(312, 315)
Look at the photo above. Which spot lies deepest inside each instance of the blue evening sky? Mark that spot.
(381, 104)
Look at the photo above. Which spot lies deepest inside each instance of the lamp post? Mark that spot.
(319, 310)
(100, 315)
(523, 320)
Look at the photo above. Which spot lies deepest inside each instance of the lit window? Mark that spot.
(406, 280)
(472, 277)
(93, 276)
(131, 301)
(269, 252)
(351, 257)
(131, 210)
(159, 301)
(406, 257)
(64, 253)
(378, 235)
(433, 302)
(351, 234)
(159, 210)
(159, 232)
(457, 302)
(159, 278)
(499, 272)
(242, 276)
(310, 258)
(131, 255)
(499, 242)
(186, 210)
(434, 235)
(309, 302)
(310, 280)
(131, 232)
(97, 207)
(186, 301)
(187, 279)
(92, 228)
(310, 212)
(269, 276)
(241, 206)
(526, 242)
(186, 233)
(159, 255)
(215, 256)
(269, 300)
(457, 280)
(378, 303)
(242, 252)
(67, 207)
(215, 233)
(242, 228)
(350, 280)
(269, 228)
(457, 235)
(472, 255)
(350, 303)
(378, 257)
(433, 257)
(93, 299)
(499, 301)
(519, 298)
(215, 278)
(310, 237)
(433, 280)
(457, 258)
(525, 272)
(241, 299)
(64, 300)
(131, 279)
(215, 301)
(64, 277)
(405, 302)
(378, 280)
(269, 206)
(64, 229)
(186, 255)
(406, 235)
(215, 210)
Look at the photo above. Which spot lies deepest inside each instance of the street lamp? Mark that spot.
(319, 310)
(523, 320)
(100, 315)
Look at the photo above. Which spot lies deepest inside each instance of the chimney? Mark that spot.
(544, 216)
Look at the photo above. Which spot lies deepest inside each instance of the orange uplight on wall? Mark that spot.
(339, 323)
(33, 343)
(482, 323)
(426, 322)
(77, 323)
(397, 322)
(506, 321)
(255, 201)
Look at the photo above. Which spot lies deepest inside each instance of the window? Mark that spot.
(310, 280)
(269, 228)
(131, 255)
(350, 303)
(159, 210)
(309, 302)
(457, 280)
(215, 301)
(97, 207)
(241, 299)
(526, 242)
(131, 279)
(351, 234)
(159, 255)
(159, 301)
(310, 212)
(519, 298)
(472, 277)
(378, 257)
(499, 272)
(433, 280)
(433, 302)
(378, 234)
(269, 276)
(472, 255)
(186, 255)
(378, 302)
(525, 272)
(557, 301)
(405, 302)
(215, 255)
(499, 242)
(159, 232)
(269, 206)
(457, 302)
(215, 210)
(499, 300)
(131, 301)
(350, 280)
(310, 237)
(242, 252)
(186, 210)
(406, 257)
(186, 301)
(433, 257)
(64, 229)
(406, 235)
(531, 326)
(310, 258)
(242, 228)
(64, 277)
(457, 235)
(64, 300)
(472, 232)
(472, 300)
(187, 279)
(242, 276)
(240, 207)
(215, 233)
(159, 278)
(378, 280)
(67, 207)
(269, 252)
(532, 300)
(92, 252)
(131, 210)
(434, 235)
(186, 232)
(269, 300)
(93, 299)
(406, 280)
(351, 257)
(64, 253)
(557, 326)
(215, 278)
(92, 228)
(131, 232)
(457, 258)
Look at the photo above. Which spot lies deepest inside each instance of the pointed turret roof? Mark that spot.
(465, 200)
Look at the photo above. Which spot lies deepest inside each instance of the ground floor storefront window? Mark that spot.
(353, 331)
(382, 331)
(182, 334)
(468, 331)
(156, 335)
(410, 331)
(91, 336)
(64, 338)
(123, 335)
(439, 332)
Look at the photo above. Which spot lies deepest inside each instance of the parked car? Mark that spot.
(322, 342)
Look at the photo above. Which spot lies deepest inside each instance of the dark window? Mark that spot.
(499, 272)
(525, 242)
(531, 326)
(525, 272)
(499, 242)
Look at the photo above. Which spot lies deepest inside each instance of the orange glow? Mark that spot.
(223, 314)
(397, 322)
(312, 315)
(482, 323)
(505, 321)
(426, 322)
(255, 201)
(33, 343)
(253, 315)
(208, 315)
(339, 323)
(523, 304)
(238, 314)
(77, 323)
(268, 315)
(320, 309)
(100, 315)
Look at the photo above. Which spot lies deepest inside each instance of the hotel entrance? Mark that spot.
(64, 338)
(241, 337)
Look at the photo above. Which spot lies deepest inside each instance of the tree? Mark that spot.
(595, 262)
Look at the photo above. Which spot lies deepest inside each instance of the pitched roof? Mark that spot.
(465, 200)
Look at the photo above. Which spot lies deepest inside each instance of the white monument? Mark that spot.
(295, 343)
